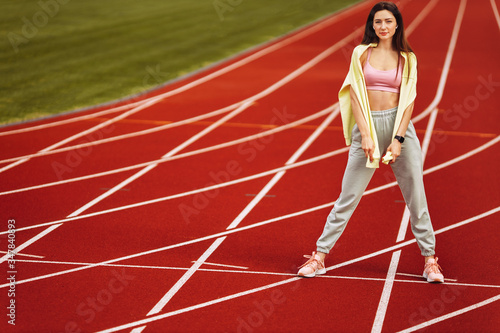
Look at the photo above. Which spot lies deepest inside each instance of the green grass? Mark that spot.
(87, 52)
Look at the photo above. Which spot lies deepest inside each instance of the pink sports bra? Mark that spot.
(380, 80)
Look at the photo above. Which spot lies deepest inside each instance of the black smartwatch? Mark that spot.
(401, 139)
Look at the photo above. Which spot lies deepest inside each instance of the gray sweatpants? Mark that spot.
(408, 170)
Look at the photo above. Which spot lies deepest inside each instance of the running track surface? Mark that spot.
(189, 209)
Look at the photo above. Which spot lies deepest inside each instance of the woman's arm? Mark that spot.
(366, 140)
(395, 147)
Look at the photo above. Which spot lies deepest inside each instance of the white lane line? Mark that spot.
(273, 285)
(221, 265)
(495, 12)
(189, 193)
(371, 191)
(25, 255)
(252, 226)
(128, 135)
(276, 44)
(447, 63)
(403, 225)
(69, 121)
(462, 157)
(433, 107)
(242, 270)
(195, 307)
(180, 283)
(184, 155)
(30, 241)
(386, 293)
(167, 297)
(81, 134)
(421, 16)
(420, 276)
(451, 315)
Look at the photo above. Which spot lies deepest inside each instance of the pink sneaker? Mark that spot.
(314, 266)
(432, 271)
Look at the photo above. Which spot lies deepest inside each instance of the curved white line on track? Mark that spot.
(273, 285)
(80, 134)
(495, 12)
(128, 135)
(386, 292)
(274, 45)
(69, 121)
(243, 270)
(451, 315)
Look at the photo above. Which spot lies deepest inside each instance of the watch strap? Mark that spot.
(401, 139)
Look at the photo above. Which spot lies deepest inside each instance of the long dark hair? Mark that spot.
(399, 41)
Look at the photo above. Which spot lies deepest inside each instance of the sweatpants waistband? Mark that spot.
(384, 113)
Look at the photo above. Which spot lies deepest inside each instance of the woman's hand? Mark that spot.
(395, 149)
(368, 146)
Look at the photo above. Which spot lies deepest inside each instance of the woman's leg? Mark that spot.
(408, 170)
(356, 179)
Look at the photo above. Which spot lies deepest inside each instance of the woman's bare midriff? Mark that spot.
(382, 100)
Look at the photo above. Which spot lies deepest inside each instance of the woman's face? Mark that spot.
(384, 24)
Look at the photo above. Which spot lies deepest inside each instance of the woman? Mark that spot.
(376, 103)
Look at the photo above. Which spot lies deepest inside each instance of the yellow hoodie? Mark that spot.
(355, 80)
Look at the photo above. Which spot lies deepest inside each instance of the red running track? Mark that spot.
(189, 208)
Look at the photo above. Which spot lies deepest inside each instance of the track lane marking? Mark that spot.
(386, 292)
(222, 265)
(451, 282)
(495, 12)
(451, 315)
(78, 135)
(128, 135)
(420, 276)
